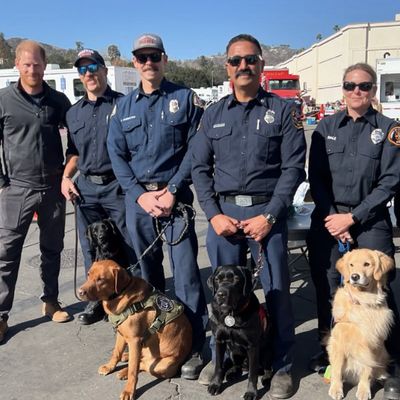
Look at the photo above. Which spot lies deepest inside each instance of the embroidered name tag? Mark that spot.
(219, 125)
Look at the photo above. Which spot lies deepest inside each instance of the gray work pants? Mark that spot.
(17, 205)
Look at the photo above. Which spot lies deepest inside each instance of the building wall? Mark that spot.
(322, 65)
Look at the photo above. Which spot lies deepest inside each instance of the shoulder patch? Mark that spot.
(394, 136)
(298, 124)
(197, 101)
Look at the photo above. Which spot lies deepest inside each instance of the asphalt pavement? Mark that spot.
(41, 359)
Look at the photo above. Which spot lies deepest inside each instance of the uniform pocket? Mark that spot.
(174, 127)
(133, 133)
(268, 142)
(221, 138)
(12, 199)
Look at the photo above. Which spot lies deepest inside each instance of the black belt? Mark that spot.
(244, 200)
(153, 186)
(100, 179)
(343, 208)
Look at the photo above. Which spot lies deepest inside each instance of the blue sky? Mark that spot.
(189, 28)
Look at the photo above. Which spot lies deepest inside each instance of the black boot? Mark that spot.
(192, 367)
(93, 312)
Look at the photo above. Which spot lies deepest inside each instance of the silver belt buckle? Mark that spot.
(243, 200)
(152, 186)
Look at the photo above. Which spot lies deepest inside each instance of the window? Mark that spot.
(79, 90)
(51, 83)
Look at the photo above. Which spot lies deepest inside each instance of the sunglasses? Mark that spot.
(363, 86)
(250, 59)
(92, 68)
(153, 57)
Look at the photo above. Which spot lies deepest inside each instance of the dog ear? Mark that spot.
(383, 264)
(341, 264)
(210, 280)
(249, 281)
(121, 278)
(89, 234)
(112, 225)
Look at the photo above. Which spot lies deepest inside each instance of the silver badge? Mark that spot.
(164, 303)
(229, 321)
(173, 106)
(377, 136)
(269, 116)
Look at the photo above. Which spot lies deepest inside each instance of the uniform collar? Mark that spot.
(107, 96)
(260, 99)
(369, 116)
(162, 90)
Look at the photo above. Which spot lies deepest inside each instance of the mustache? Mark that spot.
(246, 71)
(150, 68)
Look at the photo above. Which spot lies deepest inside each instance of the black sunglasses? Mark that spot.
(250, 59)
(92, 68)
(363, 86)
(153, 57)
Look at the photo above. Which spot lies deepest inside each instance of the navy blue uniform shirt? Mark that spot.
(353, 163)
(257, 148)
(88, 123)
(149, 137)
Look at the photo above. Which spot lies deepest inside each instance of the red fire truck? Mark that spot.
(280, 82)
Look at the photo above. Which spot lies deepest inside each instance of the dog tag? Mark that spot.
(229, 321)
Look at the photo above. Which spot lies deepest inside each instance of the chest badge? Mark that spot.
(229, 321)
(173, 106)
(269, 116)
(377, 136)
(394, 136)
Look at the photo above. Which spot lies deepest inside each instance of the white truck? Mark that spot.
(66, 80)
(388, 93)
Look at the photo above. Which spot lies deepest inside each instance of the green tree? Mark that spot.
(79, 46)
(6, 53)
(318, 37)
(114, 54)
(336, 28)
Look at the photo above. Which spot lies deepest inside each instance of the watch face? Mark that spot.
(172, 189)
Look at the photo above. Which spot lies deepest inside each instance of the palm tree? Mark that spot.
(318, 37)
(336, 28)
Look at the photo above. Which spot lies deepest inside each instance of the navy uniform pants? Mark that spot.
(99, 202)
(183, 260)
(275, 278)
(323, 249)
(17, 206)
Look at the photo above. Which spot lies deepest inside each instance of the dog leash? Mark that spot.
(259, 263)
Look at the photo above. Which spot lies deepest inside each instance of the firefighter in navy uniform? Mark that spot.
(353, 172)
(247, 162)
(148, 142)
(96, 188)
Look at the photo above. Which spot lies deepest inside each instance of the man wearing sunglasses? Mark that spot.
(149, 139)
(96, 189)
(247, 162)
(353, 172)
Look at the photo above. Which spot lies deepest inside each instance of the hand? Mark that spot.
(68, 189)
(224, 225)
(337, 224)
(257, 227)
(345, 237)
(167, 199)
(150, 203)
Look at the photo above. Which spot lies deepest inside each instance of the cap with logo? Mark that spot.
(91, 55)
(148, 41)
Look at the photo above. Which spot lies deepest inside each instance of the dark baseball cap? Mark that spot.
(89, 54)
(148, 41)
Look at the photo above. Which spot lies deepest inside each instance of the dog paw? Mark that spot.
(125, 356)
(336, 392)
(250, 396)
(105, 369)
(214, 388)
(266, 378)
(123, 374)
(363, 394)
(233, 373)
(125, 395)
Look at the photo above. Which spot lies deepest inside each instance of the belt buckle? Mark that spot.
(243, 200)
(97, 179)
(152, 186)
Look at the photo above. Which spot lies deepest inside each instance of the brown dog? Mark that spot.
(362, 322)
(160, 353)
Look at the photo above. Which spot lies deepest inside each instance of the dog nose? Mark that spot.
(355, 277)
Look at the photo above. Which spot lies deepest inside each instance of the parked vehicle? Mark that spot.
(388, 92)
(281, 82)
(66, 80)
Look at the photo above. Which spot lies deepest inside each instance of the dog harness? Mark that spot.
(166, 311)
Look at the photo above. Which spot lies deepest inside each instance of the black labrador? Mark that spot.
(239, 324)
(106, 242)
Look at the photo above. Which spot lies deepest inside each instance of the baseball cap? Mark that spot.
(148, 41)
(89, 54)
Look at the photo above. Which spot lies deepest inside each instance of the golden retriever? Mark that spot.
(362, 322)
(161, 353)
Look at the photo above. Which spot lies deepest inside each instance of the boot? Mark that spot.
(93, 312)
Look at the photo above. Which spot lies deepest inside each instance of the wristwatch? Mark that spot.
(172, 188)
(271, 219)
